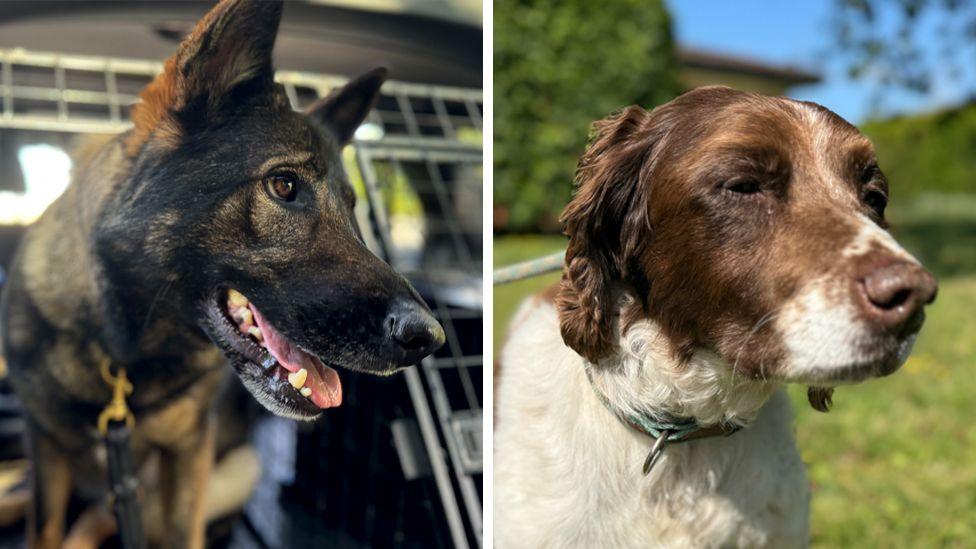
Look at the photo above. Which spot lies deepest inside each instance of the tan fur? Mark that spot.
(52, 482)
(92, 528)
(231, 485)
(201, 470)
(178, 424)
(14, 507)
(151, 114)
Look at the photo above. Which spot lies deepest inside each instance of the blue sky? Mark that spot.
(799, 33)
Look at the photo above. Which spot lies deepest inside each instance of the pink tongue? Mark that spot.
(322, 380)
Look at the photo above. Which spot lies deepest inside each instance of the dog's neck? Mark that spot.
(645, 378)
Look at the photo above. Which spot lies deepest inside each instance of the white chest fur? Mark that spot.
(568, 474)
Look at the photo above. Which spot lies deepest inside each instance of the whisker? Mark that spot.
(152, 304)
(765, 319)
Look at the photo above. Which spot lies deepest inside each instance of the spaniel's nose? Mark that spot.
(894, 293)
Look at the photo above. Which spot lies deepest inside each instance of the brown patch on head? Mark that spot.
(710, 211)
(150, 115)
(230, 46)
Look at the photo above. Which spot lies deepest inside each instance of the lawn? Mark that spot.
(894, 463)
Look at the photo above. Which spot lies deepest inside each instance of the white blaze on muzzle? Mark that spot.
(821, 328)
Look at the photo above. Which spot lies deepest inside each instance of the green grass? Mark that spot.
(894, 463)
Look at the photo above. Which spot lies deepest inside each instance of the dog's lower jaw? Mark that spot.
(257, 385)
(567, 473)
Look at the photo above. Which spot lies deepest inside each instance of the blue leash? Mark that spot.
(528, 269)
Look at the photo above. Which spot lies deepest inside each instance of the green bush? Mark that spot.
(560, 65)
(926, 153)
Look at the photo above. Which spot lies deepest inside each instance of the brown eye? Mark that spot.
(282, 186)
(869, 173)
(876, 200)
(743, 186)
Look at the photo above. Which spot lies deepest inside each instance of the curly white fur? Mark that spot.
(644, 376)
(568, 474)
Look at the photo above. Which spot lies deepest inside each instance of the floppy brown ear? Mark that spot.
(227, 56)
(607, 223)
(344, 109)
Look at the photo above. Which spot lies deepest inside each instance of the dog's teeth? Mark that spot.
(297, 379)
(305, 391)
(256, 332)
(236, 298)
(244, 316)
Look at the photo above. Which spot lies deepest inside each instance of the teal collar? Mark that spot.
(663, 432)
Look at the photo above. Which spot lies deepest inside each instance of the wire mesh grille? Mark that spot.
(90, 94)
(431, 231)
(420, 163)
(64, 93)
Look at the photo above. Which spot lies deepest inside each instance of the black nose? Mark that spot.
(414, 330)
(895, 292)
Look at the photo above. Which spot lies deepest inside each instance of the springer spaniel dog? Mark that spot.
(720, 246)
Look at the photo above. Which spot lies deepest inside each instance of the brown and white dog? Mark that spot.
(720, 246)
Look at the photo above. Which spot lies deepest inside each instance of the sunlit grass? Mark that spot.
(894, 463)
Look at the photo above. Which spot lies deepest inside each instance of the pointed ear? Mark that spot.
(607, 223)
(344, 109)
(230, 47)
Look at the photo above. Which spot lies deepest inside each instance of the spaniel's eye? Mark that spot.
(743, 186)
(282, 186)
(869, 173)
(877, 201)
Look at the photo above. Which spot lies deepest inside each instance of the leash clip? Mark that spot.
(117, 409)
(656, 451)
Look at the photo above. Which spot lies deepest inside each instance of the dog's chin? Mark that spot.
(276, 395)
(877, 364)
(284, 377)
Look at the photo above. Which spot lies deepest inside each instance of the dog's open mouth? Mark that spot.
(285, 378)
(304, 372)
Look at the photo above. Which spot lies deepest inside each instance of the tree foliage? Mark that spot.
(559, 65)
(906, 44)
(926, 153)
(922, 46)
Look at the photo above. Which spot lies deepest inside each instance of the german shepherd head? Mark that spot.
(241, 208)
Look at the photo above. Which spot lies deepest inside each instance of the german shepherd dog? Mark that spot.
(219, 227)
